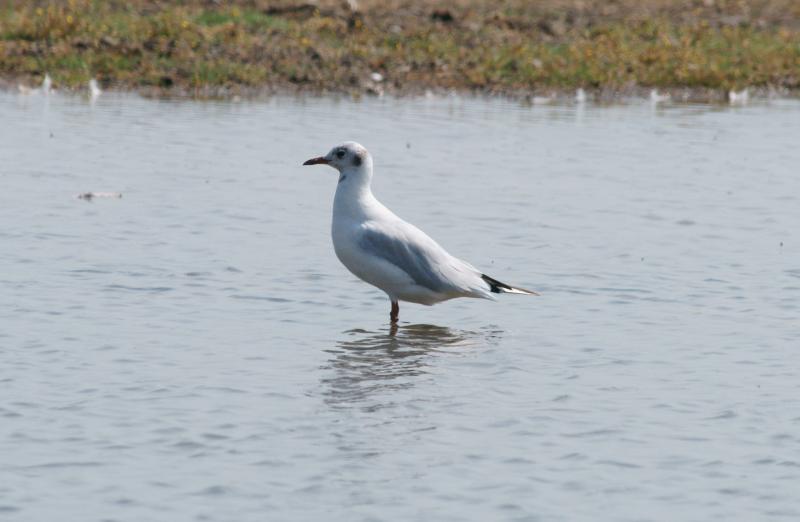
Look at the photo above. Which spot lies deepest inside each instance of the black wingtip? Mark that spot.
(495, 286)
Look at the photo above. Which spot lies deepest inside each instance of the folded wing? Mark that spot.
(419, 256)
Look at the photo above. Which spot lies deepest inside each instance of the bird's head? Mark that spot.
(348, 157)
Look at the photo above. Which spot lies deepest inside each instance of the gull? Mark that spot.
(94, 90)
(656, 98)
(391, 254)
(46, 88)
(580, 96)
(738, 98)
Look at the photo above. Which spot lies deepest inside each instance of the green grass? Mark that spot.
(513, 48)
(250, 19)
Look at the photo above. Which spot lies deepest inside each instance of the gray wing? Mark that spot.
(414, 253)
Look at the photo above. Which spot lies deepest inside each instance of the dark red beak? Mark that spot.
(317, 161)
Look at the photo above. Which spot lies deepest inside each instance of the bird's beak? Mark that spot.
(317, 161)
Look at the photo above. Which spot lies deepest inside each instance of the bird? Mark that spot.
(47, 84)
(656, 97)
(389, 253)
(540, 100)
(46, 87)
(738, 98)
(94, 90)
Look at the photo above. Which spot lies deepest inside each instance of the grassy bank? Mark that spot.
(510, 47)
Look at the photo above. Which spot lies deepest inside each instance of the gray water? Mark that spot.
(194, 350)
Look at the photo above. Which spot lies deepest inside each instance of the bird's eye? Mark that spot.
(340, 153)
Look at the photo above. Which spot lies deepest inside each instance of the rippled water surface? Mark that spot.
(194, 350)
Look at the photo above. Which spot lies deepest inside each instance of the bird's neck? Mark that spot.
(354, 196)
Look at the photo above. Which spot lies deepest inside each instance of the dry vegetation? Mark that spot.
(509, 47)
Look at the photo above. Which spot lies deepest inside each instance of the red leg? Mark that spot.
(394, 315)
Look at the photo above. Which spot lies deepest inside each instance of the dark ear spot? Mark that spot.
(356, 160)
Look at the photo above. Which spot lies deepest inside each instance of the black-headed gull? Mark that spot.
(392, 254)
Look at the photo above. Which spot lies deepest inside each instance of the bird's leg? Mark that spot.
(394, 315)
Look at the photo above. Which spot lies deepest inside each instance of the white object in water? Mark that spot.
(46, 87)
(738, 98)
(47, 84)
(94, 89)
(543, 100)
(655, 97)
(389, 253)
(376, 77)
(580, 96)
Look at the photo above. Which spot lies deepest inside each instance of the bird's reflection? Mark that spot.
(367, 364)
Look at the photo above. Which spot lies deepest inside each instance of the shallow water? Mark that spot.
(194, 350)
